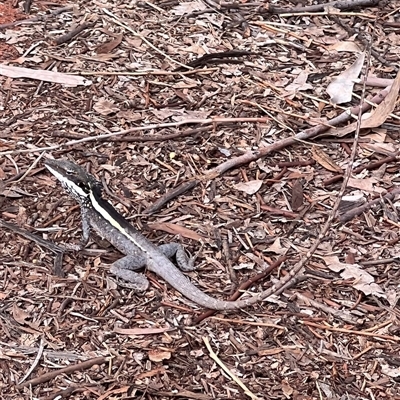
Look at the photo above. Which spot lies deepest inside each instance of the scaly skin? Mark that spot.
(108, 223)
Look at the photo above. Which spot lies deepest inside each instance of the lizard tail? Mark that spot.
(182, 284)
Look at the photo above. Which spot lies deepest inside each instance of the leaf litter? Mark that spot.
(185, 125)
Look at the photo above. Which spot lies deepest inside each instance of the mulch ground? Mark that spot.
(173, 92)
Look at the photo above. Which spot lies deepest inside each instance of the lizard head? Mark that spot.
(74, 179)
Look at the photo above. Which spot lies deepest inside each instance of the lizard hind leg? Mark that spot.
(123, 269)
(185, 263)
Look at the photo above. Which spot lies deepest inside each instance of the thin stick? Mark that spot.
(216, 120)
(160, 72)
(67, 370)
(39, 18)
(57, 250)
(228, 371)
(359, 210)
(118, 22)
(70, 35)
(349, 331)
(35, 362)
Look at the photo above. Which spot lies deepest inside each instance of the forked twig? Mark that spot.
(280, 286)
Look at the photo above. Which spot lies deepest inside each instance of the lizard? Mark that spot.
(99, 214)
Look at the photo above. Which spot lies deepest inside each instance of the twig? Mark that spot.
(158, 72)
(304, 135)
(244, 286)
(67, 370)
(251, 323)
(64, 394)
(57, 250)
(277, 211)
(39, 18)
(341, 5)
(361, 37)
(27, 6)
(223, 56)
(381, 261)
(280, 286)
(243, 159)
(35, 362)
(162, 138)
(359, 210)
(215, 121)
(171, 194)
(228, 371)
(297, 268)
(118, 22)
(344, 315)
(349, 331)
(70, 35)
(368, 167)
(22, 177)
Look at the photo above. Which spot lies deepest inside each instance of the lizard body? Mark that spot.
(100, 215)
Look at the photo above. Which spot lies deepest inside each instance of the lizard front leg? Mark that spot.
(85, 227)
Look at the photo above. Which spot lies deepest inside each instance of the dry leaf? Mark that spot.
(389, 370)
(108, 47)
(269, 352)
(277, 248)
(150, 373)
(159, 355)
(44, 75)
(129, 115)
(22, 59)
(366, 184)
(363, 281)
(8, 191)
(175, 229)
(249, 187)
(341, 88)
(297, 195)
(287, 390)
(192, 114)
(164, 113)
(345, 46)
(388, 149)
(300, 83)
(377, 135)
(324, 160)
(19, 314)
(188, 8)
(100, 57)
(377, 118)
(393, 296)
(105, 107)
